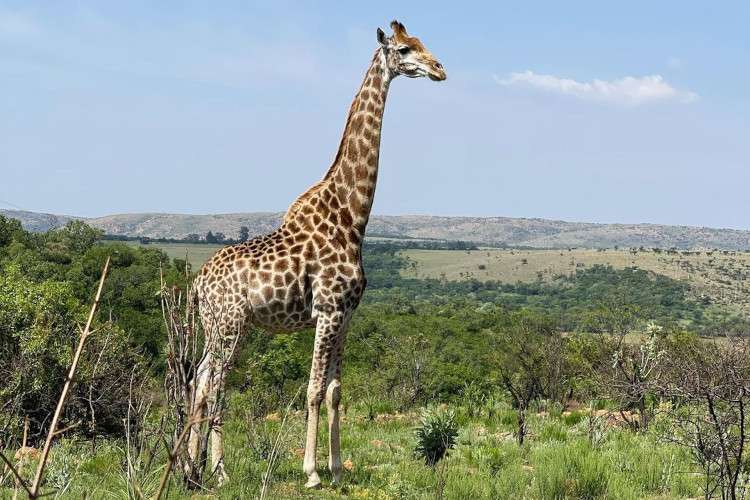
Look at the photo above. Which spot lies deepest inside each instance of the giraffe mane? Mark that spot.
(312, 190)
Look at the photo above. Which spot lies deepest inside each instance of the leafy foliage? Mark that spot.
(46, 284)
(588, 301)
(436, 435)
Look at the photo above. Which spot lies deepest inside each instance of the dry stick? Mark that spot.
(19, 479)
(173, 455)
(23, 445)
(34, 493)
(91, 388)
(25, 430)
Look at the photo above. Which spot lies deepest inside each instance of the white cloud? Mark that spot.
(629, 90)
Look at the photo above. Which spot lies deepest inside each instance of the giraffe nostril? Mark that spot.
(438, 65)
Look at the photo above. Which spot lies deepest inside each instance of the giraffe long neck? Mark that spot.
(354, 173)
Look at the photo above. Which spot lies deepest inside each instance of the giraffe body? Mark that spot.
(309, 271)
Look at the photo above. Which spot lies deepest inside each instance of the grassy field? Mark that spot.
(197, 253)
(568, 454)
(722, 276)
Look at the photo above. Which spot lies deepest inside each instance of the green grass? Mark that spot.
(557, 461)
(197, 253)
(722, 276)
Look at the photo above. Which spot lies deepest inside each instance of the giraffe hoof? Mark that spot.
(337, 474)
(313, 482)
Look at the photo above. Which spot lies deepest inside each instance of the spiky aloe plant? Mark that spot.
(435, 435)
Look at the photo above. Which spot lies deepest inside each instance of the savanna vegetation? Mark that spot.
(605, 383)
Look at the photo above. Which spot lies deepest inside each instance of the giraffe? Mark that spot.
(308, 273)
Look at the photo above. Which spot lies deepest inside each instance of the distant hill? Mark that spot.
(37, 222)
(537, 233)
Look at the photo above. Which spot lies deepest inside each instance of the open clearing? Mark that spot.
(197, 253)
(720, 275)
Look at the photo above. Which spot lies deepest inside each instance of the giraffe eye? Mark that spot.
(404, 50)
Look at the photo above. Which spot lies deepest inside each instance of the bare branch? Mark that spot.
(34, 491)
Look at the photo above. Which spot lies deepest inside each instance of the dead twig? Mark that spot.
(19, 479)
(53, 432)
(175, 453)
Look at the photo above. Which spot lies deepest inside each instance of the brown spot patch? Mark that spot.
(345, 216)
(319, 240)
(340, 238)
(281, 265)
(309, 253)
(358, 123)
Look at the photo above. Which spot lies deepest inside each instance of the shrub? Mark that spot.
(37, 329)
(435, 435)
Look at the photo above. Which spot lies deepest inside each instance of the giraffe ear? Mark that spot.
(398, 29)
(382, 40)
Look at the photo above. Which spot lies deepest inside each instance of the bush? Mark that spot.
(38, 330)
(435, 435)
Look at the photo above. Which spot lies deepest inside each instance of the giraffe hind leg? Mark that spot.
(200, 394)
(217, 431)
(333, 397)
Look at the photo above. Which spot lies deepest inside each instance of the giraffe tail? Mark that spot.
(195, 289)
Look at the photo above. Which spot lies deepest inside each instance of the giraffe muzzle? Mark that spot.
(436, 72)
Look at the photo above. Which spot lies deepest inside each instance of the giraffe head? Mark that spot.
(406, 55)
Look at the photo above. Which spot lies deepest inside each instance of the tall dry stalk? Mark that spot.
(174, 455)
(141, 443)
(33, 490)
(53, 431)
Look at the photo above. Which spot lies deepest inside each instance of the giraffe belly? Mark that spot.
(281, 314)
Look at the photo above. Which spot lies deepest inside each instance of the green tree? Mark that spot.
(38, 330)
(531, 360)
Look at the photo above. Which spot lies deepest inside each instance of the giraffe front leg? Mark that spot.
(329, 325)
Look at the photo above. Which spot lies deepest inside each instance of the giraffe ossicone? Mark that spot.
(309, 271)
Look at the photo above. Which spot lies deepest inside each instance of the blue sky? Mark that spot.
(587, 111)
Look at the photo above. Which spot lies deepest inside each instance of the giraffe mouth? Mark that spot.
(416, 71)
(412, 71)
